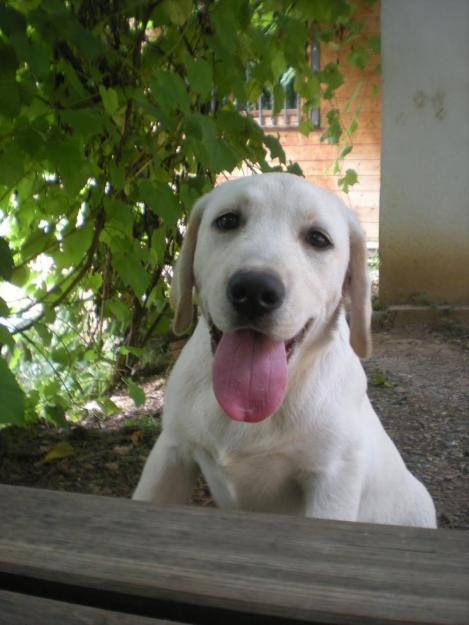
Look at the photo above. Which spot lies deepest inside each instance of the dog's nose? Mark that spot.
(255, 293)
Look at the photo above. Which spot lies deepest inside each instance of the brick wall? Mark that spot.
(316, 158)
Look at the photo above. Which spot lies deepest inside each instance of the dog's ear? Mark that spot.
(357, 287)
(183, 276)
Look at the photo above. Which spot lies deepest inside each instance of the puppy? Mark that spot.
(268, 397)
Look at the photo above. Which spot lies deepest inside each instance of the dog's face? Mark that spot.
(271, 255)
(275, 255)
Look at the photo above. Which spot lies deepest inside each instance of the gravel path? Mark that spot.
(419, 385)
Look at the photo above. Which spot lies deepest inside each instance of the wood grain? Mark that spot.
(226, 565)
(16, 609)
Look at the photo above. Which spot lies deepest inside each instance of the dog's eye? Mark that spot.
(317, 239)
(228, 221)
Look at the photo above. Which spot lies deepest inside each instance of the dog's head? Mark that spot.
(273, 255)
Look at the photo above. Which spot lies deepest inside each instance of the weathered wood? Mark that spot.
(197, 565)
(16, 609)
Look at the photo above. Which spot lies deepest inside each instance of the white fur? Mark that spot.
(324, 453)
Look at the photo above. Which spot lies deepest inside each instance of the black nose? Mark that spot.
(255, 293)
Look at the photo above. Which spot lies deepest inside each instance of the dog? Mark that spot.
(268, 397)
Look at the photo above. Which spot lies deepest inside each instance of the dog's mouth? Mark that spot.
(290, 345)
(250, 371)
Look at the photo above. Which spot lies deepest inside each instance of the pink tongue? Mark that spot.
(249, 375)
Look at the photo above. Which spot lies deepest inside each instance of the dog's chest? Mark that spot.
(257, 479)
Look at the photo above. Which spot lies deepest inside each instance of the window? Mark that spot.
(289, 115)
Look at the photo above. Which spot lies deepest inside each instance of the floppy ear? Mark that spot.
(183, 276)
(357, 285)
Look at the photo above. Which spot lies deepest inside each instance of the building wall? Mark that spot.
(424, 227)
(316, 158)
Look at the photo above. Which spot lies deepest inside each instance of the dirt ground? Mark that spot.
(418, 383)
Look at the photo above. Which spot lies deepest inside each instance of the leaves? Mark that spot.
(136, 393)
(169, 90)
(178, 11)
(75, 246)
(59, 451)
(111, 127)
(13, 400)
(200, 76)
(110, 99)
(347, 181)
(161, 200)
(381, 380)
(131, 271)
(6, 260)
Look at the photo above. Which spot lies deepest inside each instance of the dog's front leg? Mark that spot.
(168, 476)
(332, 495)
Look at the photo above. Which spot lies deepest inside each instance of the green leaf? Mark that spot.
(29, 140)
(108, 406)
(158, 245)
(305, 126)
(110, 99)
(60, 450)
(135, 351)
(232, 123)
(86, 122)
(75, 247)
(178, 11)
(381, 380)
(352, 127)
(10, 102)
(11, 21)
(20, 276)
(133, 274)
(6, 260)
(117, 176)
(4, 310)
(350, 178)
(118, 216)
(353, 96)
(169, 90)
(44, 333)
(319, 10)
(213, 152)
(161, 200)
(6, 338)
(225, 21)
(136, 393)
(344, 151)
(276, 150)
(11, 165)
(118, 309)
(8, 61)
(333, 131)
(13, 399)
(332, 77)
(61, 356)
(294, 168)
(39, 58)
(359, 57)
(66, 157)
(200, 76)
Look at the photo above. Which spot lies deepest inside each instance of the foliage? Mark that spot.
(115, 116)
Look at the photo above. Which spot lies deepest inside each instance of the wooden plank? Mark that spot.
(274, 568)
(18, 609)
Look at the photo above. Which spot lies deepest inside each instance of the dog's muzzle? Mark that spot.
(255, 294)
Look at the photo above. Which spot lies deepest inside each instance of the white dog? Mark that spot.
(268, 397)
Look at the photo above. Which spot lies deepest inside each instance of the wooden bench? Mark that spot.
(76, 559)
